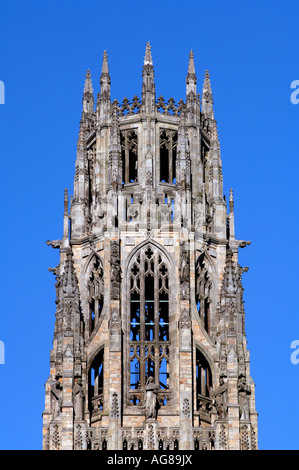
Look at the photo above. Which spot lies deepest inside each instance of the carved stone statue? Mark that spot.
(115, 270)
(184, 272)
(78, 399)
(244, 390)
(151, 400)
(56, 396)
(220, 398)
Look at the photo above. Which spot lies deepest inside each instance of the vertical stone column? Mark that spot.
(185, 395)
(67, 412)
(185, 351)
(115, 349)
(233, 404)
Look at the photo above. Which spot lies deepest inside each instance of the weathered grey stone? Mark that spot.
(149, 348)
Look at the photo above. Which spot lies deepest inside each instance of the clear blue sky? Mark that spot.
(251, 51)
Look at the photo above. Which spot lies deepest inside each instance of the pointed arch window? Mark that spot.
(129, 154)
(149, 324)
(203, 386)
(203, 292)
(168, 153)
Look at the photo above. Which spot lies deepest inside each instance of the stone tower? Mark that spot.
(149, 348)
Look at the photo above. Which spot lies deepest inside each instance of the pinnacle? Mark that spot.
(231, 200)
(191, 67)
(148, 55)
(66, 200)
(207, 83)
(88, 83)
(105, 68)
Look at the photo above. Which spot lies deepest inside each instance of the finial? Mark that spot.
(148, 55)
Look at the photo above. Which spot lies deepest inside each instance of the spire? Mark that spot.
(103, 101)
(87, 119)
(105, 67)
(148, 84)
(88, 83)
(148, 55)
(191, 67)
(207, 97)
(191, 79)
(105, 77)
(88, 99)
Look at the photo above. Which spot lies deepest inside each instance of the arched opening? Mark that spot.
(204, 386)
(95, 290)
(168, 152)
(129, 153)
(96, 384)
(149, 324)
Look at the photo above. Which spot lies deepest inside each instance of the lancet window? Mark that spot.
(129, 153)
(168, 153)
(149, 324)
(203, 385)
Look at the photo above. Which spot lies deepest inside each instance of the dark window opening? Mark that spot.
(129, 154)
(96, 383)
(168, 154)
(164, 165)
(149, 324)
(203, 375)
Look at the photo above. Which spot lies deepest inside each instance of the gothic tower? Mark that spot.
(149, 348)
